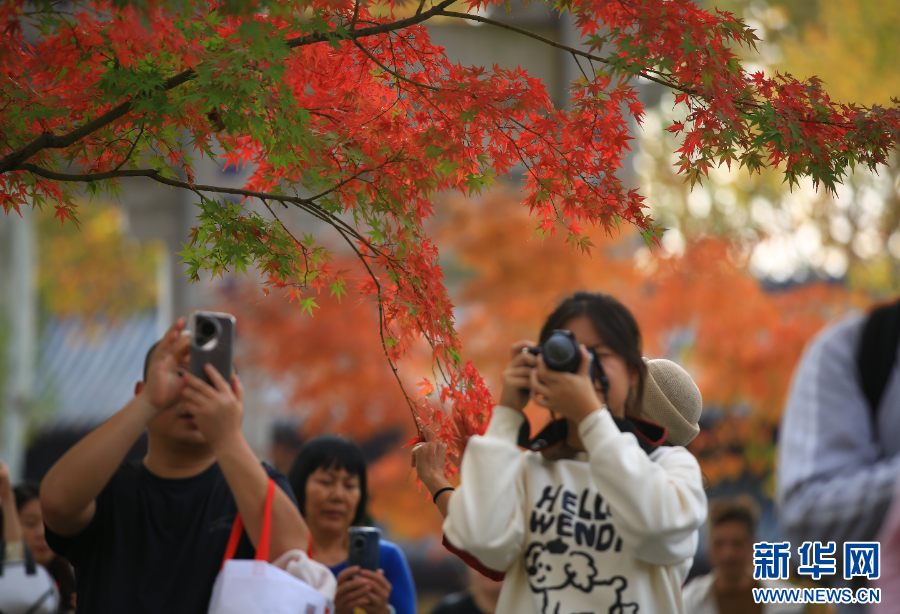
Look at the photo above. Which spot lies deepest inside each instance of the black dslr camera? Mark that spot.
(561, 353)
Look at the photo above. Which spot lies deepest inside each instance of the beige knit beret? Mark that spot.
(672, 400)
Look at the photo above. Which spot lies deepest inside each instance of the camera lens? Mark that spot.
(359, 543)
(206, 331)
(560, 352)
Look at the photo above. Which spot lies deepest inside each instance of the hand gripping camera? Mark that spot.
(561, 353)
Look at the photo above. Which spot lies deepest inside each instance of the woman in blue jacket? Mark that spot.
(328, 477)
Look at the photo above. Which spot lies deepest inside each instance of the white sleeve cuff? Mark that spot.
(596, 427)
(505, 424)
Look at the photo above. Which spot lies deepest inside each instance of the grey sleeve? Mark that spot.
(835, 479)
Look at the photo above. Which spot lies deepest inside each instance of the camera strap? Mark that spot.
(649, 435)
(597, 373)
(550, 435)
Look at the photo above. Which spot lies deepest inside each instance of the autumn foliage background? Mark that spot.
(702, 309)
(700, 302)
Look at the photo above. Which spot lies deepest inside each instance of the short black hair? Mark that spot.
(148, 358)
(25, 493)
(743, 509)
(329, 452)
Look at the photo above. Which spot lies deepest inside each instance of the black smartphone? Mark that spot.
(212, 341)
(364, 547)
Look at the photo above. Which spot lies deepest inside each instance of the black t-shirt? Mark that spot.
(154, 545)
(457, 603)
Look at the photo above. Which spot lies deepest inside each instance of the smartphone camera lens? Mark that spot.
(359, 543)
(207, 330)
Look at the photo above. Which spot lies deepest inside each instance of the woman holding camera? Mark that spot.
(328, 477)
(598, 516)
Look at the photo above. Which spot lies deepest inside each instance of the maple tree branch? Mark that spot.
(307, 204)
(381, 326)
(48, 140)
(357, 175)
(325, 115)
(45, 12)
(646, 73)
(382, 28)
(156, 176)
(131, 151)
(562, 155)
(530, 170)
(303, 249)
(421, 5)
(396, 74)
(355, 16)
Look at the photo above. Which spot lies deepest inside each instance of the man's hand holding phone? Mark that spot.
(218, 409)
(164, 374)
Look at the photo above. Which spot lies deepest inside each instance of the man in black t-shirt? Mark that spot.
(149, 536)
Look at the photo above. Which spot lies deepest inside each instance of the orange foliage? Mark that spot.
(510, 283)
(334, 374)
(739, 341)
(331, 365)
(742, 341)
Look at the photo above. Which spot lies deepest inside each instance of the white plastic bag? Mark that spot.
(257, 587)
(25, 586)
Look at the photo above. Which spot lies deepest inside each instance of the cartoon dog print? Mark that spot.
(552, 567)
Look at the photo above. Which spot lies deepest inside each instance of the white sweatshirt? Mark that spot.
(614, 532)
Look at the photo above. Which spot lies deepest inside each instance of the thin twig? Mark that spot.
(325, 115)
(291, 235)
(644, 73)
(355, 16)
(131, 151)
(578, 64)
(396, 74)
(381, 325)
